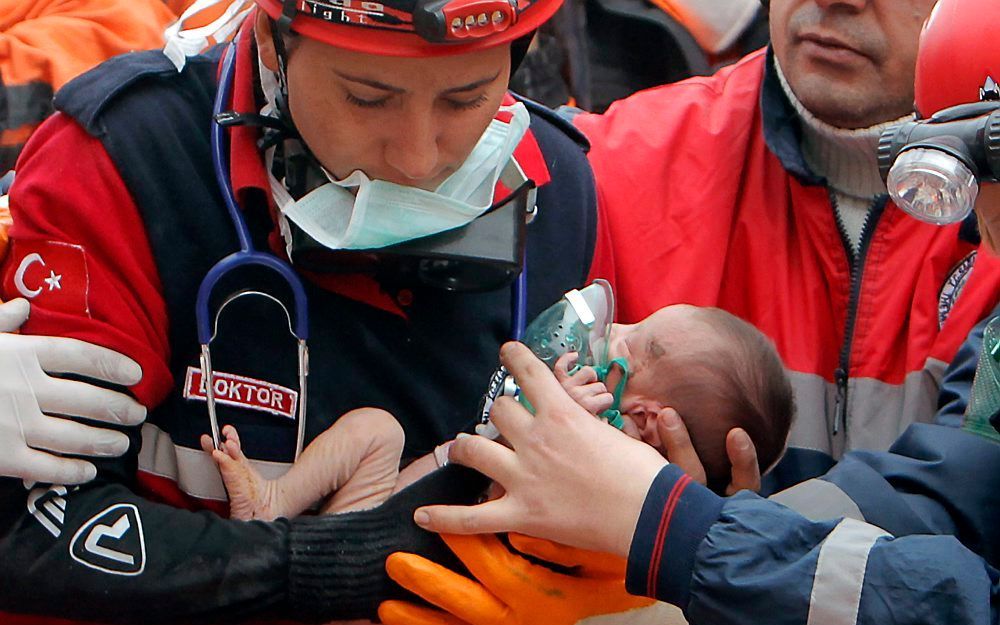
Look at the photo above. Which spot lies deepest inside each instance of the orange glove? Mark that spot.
(510, 589)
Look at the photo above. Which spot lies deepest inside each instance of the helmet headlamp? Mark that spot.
(933, 167)
(412, 28)
(444, 21)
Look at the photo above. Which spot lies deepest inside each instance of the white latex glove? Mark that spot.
(28, 395)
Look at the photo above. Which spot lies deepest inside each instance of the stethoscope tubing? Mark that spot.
(246, 255)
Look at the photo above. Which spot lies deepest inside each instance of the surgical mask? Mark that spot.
(358, 213)
(933, 167)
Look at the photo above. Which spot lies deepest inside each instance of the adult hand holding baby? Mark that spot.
(568, 477)
(665, 431)
(675, 445)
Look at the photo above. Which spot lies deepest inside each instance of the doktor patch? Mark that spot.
(242, 392)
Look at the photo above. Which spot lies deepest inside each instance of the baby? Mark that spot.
(717, 371)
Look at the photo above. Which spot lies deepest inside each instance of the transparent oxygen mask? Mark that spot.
(985, 401)
(579, 322)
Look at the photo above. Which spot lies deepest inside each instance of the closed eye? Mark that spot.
(466, 105)
(368, 104)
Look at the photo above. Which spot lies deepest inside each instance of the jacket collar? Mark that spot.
(782, 126)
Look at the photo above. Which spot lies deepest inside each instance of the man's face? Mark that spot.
(408, 121)
(850, 62)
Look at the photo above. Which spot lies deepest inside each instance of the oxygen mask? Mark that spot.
(580, 322)
(982, 417)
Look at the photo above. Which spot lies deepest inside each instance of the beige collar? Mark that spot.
(846, 158)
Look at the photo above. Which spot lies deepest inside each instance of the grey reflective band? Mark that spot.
(877, 411)
(819, 500)
(840, 573)
(193, 470)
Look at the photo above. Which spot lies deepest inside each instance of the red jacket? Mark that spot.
(705, 199)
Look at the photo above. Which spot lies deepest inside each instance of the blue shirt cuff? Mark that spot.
(676, 516)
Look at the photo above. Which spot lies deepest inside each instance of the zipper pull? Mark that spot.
(840, 409)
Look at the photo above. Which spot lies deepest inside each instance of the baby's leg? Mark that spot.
(250, 495)
(360, 458)
(357, 458)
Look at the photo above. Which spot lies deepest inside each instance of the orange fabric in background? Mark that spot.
(178, 6)
(46, 43)
(56, 40)
(5, 224)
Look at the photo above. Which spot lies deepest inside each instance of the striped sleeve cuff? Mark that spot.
(676, 516)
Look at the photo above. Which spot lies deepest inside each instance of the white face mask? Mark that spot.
(380, 213)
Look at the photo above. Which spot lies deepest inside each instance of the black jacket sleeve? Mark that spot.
(99, 552)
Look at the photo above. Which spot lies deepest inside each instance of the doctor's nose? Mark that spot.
(413, 154)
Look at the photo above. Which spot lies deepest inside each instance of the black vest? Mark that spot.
(428, 369)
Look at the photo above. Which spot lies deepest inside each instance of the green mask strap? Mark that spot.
(613, 415)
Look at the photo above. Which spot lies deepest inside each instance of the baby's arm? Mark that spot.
(356, 459)
(583, 385)
(420, 467)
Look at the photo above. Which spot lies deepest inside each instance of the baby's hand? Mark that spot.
(583, 386)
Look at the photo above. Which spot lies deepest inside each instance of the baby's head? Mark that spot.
(717, 371)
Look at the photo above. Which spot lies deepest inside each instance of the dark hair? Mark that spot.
(735, 380)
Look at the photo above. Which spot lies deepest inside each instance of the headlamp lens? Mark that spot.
(932, 186)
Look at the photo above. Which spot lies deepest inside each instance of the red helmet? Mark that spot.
(413, 28)
(958, 54)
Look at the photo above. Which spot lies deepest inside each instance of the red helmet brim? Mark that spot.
(389, 42)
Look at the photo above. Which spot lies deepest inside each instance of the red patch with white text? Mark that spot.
(51, 274)
(243, 392)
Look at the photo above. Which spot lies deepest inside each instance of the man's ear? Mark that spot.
(265, 43)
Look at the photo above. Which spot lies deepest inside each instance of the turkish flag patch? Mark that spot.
(51, 274)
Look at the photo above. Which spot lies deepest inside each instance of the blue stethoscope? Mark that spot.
(247, 255)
